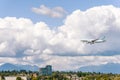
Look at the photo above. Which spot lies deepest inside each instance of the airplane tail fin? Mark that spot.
(103, 38)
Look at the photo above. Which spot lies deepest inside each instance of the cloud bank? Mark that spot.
(56, 12)
(23, 42)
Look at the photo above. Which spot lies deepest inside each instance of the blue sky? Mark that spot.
(42, 32)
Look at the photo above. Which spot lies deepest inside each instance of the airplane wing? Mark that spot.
(95, 40)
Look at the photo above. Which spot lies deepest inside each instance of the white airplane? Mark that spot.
(93, 41)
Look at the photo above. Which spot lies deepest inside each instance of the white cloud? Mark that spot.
(56, 12)
(31, 43)
(74, 63)
(63, 62)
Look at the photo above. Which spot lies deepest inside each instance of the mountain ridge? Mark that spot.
(10, 67)
(105, 68)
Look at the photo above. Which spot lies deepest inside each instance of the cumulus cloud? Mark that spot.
(23, 41)
(56, 12)
(74, 63)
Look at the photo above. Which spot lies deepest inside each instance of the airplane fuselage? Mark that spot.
(97, 41)
(94, 41)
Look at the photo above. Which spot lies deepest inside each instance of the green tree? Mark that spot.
(18, 78)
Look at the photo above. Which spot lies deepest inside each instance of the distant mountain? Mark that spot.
(107, 68)
(10, 67)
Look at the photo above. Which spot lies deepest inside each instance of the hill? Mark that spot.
(10, 67)
(106, 68)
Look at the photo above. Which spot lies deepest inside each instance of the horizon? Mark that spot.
(97, 69)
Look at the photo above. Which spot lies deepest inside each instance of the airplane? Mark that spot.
(98, 40)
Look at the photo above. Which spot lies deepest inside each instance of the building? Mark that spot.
(15, 77)
(46, 71)
(0, 78)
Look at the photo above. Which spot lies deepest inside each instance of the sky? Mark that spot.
(43, 32)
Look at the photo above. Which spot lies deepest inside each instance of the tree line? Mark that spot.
(61, 75)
